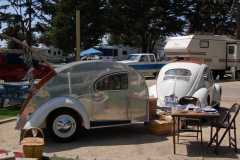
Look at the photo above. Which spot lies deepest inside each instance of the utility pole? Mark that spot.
(29, 30)
(78, 49)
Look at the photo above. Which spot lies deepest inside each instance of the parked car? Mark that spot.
(14, 69)
(144, 63)
(90, 94)
(186, 79)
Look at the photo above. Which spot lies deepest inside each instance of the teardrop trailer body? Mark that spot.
(91, 95)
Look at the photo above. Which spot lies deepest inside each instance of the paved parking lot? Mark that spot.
(131, 142)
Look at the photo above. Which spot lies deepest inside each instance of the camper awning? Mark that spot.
(90, 52)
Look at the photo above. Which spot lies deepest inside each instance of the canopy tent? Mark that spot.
(90, 52)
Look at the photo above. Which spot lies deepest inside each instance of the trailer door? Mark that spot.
(110, 97)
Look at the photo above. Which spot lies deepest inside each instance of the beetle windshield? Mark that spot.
(178, 73)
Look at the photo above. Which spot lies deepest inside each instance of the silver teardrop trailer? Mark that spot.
(91, 95)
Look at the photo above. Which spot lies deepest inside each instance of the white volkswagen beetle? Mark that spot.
(186, 79)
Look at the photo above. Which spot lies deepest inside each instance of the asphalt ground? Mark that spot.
(133, 142)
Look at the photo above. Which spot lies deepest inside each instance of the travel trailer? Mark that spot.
(220, 53)
(50, 53)
(90, 94)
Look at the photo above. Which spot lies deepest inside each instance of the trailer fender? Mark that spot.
(202, 95)
(39, 117)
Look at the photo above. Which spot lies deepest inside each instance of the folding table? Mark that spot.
(190, 114)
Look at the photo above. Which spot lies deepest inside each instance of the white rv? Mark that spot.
(50, 53)
(220, 53)
(116, 52)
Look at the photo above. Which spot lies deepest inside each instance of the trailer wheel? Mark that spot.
(63, 125)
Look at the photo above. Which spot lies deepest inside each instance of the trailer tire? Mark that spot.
(63, 125)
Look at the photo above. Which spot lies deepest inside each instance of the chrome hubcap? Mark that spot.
(64, 126)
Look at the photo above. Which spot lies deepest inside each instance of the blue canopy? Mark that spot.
(90, 52)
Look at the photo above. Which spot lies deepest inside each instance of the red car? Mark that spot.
(13, 68)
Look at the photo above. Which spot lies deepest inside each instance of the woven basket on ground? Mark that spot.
(33, 143)
(160, 127)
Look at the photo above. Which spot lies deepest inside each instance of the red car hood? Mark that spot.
(16, 72)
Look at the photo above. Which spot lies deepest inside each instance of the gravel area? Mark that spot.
(131, 142)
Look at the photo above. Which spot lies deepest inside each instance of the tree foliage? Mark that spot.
(62, 32)
(24, 17)
(138, 23)
(210, 16)
(141, 23)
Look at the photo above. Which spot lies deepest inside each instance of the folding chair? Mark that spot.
(189, 121)
(228, 123)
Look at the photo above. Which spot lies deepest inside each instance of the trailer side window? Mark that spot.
(112, 82)
(204, 44)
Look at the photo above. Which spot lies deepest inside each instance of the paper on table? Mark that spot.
(209, 109)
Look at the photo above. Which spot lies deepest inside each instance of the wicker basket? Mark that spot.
(160, 127)
(33, 143)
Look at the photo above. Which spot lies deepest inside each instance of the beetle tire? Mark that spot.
(54, 116)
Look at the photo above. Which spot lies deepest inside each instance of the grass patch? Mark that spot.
(8, 112)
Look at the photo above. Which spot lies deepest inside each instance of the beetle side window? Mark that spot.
(207, 77)
(112, 82)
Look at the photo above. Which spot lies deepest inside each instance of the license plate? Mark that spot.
(170, 101)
